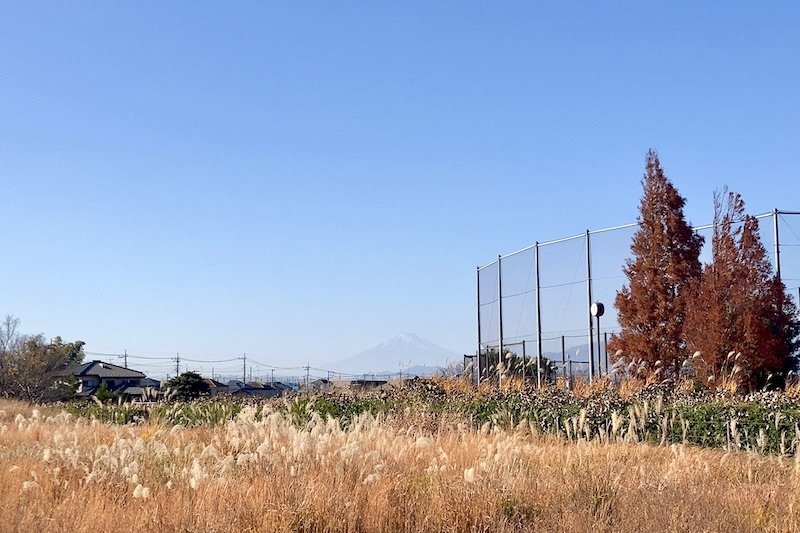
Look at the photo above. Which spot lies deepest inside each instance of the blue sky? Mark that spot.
(300, 181)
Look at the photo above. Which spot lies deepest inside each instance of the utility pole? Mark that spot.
(126, 358)
(308, 367)
(177, 364)
(244, 367)
(272, 382)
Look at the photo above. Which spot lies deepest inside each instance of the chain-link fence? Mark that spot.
(534, 304)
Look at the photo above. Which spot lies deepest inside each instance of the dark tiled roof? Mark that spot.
(103, 370)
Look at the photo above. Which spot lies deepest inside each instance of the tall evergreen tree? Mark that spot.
(651, 308)
(739, 316)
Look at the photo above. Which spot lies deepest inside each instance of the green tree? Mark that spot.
(34, 367)
(71, 352)
(104, 395)
(31, 367)
(512, 365)
(652, 308)
(187, 386)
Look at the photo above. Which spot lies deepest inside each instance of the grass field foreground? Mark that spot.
(407, 472)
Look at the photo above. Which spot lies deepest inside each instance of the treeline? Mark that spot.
(30, 366)
(728, 323)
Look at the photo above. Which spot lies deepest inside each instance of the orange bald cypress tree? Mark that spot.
(739, 316)
(651, 308)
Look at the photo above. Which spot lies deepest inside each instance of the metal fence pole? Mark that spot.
(500, 314)
(589, 304)
(599, 351)
(777, 241)
(538, 321)
(478, 352)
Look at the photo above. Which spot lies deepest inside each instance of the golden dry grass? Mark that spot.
(403, 474)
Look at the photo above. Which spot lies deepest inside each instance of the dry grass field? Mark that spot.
(405, 473)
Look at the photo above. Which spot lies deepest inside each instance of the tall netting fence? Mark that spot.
(610, 250)
(789, 238)
(534, 316)
(488, 318)
(564, 284)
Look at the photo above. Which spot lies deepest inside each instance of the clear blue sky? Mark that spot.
(300, 181)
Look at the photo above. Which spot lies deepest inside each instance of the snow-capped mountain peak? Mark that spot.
(402, 351)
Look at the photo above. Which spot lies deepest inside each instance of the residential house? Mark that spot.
(216, 387)
(320, 384)
(261, 390)
(362, 384)
(116, 379)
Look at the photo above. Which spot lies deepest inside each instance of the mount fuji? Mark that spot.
(406, 352)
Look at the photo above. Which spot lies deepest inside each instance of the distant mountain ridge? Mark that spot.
(406, 352)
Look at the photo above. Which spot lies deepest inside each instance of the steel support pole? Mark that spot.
(589, 305)
(599, 353)
(538, 320)
(478, 352)
(500, 315)
(777, 241)
(524, 361)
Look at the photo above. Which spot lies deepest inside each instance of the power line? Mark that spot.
(212, 360)
(258, 363)
(123, 355)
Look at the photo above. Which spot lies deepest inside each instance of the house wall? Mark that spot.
(112, 383)
(88, 383)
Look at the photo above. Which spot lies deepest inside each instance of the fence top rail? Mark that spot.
(623, 226)
(709, 226)
(613, 228)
